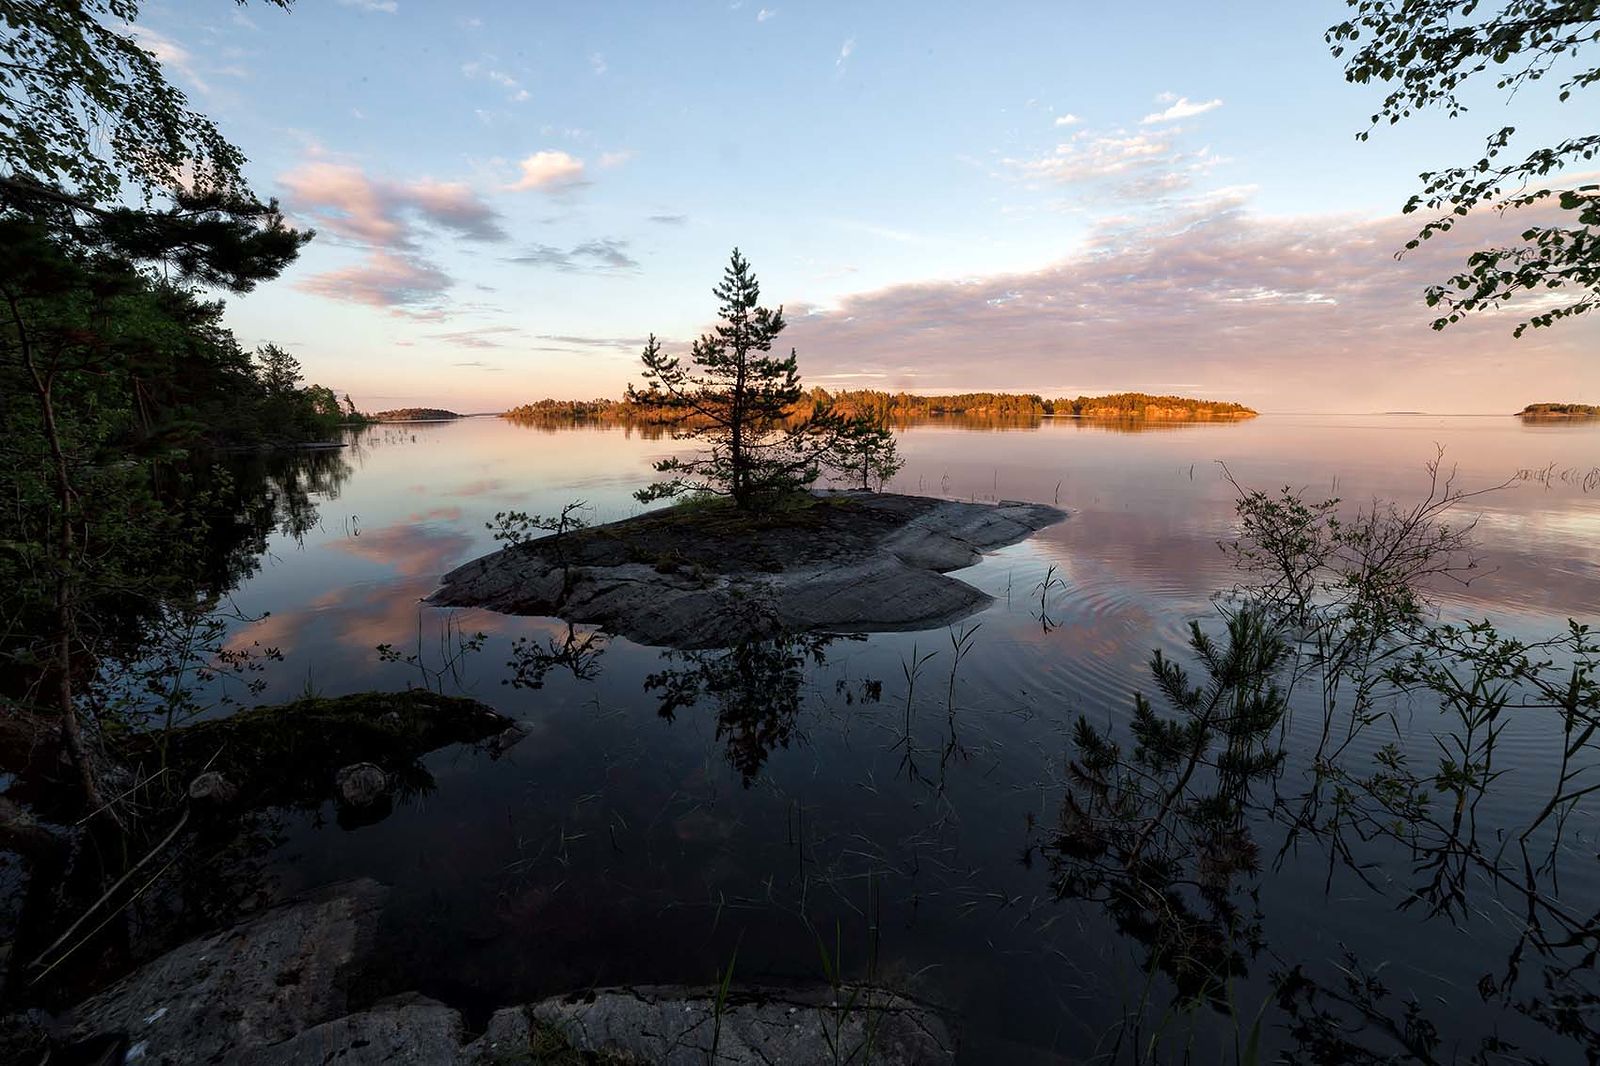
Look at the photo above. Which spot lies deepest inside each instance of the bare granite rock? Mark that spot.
(677, 1026)
(864, 562)
(213, 788)
(411, 1031)
(259, 983)
(272, 991)
(667, 1025)
(361, 784)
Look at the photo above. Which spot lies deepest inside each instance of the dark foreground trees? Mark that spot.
(115, 367)
(742, 401)
(1429, 51)
(111, 373)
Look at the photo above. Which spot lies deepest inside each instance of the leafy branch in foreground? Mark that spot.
(84, 104)
(515, 529)
(1429, 50)
(104, 364)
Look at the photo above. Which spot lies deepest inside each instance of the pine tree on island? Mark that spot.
(740, 399)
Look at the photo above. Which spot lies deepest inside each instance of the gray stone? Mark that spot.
(213, 789)
(679, 1026)
(503, 742)
(261, 982)
(362, 784)
(411, 1032)
(272, 992)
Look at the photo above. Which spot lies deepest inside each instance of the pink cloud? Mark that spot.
(345, 200)
(382, 279)
(1134, 166)
(1308, 313)
(383, 217)
(548, 170)
(455, 206)
(411, 550)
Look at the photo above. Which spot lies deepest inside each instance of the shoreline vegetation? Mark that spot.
(1551, 412)
(901, 408)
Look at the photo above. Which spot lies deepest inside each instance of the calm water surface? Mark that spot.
(894, 807)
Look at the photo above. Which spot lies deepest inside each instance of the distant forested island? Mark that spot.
(1153, 408)
(1538, 411)
(414, 414)
(904, 407)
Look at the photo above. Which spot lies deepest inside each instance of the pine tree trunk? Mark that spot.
(741, 488)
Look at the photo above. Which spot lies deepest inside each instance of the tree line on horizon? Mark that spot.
(413, 414)
(904, 407)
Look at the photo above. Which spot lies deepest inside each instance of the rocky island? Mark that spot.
(1551, 412)
(707, 575)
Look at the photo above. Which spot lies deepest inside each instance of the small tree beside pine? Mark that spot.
(867, 454)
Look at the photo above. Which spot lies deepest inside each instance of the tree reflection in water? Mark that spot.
(1164, 837)
(1158, 835)
(155, 656)
(757, 687)
(578, 653)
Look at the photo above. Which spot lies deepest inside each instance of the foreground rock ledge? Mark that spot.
(699, 576)
(273, 991)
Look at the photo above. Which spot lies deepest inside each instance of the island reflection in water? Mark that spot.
(897, 787)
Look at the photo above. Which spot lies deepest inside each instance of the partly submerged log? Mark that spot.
(704, 575)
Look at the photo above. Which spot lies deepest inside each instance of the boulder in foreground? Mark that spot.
(257, 984)
(274, 991)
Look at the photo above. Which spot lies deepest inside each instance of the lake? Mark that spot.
(884, 797)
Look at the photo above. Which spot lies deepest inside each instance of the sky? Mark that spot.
(1063, 198)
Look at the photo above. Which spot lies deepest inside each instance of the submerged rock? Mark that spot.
(212, 788)
(362, 784)
(709, 576)
(295, 754)
(501, 743)
(362, 795)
